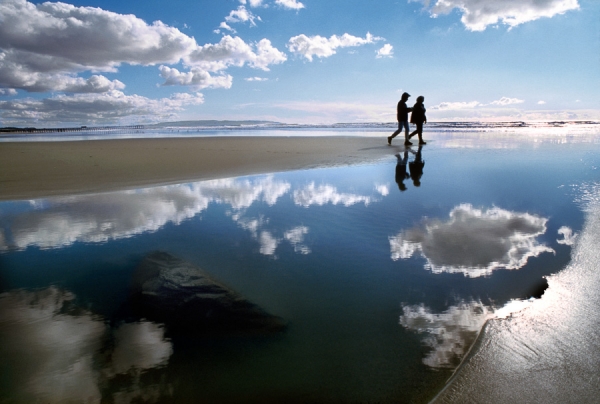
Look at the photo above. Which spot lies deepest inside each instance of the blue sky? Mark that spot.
(94, 62)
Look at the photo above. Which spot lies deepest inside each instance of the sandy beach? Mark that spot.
(39, 169)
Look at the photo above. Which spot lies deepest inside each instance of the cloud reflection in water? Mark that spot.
(60, 222)
(448, 334)
(56, 353)
(324, 194)
(569, 236)
(473, 242)
(296, 237)
(451, 333)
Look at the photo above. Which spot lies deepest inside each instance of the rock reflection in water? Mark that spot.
(473, 242)
(54, 352)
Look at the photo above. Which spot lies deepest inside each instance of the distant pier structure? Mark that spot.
(87, 129)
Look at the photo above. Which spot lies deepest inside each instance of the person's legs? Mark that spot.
(414, 132)
(420, 133)
(395, 133)
(406, 130)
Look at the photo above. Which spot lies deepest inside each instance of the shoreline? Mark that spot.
(30, 170)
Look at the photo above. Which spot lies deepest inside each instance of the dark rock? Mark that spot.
(186, 299)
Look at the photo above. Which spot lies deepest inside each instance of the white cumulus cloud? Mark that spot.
(477, 15)
(325, 47)
(7, 91)
(196, 78)
(233, 51)
(386, 50)
(456, 105)
(292, 4)
(252, 3)
(43, 45)
(507, 101)
(473, 242)
(242, 14)
(15, 75)
(289, 4)
(224, 26)
(465, 105)
(215, 58)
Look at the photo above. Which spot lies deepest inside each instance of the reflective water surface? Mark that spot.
(383, 277)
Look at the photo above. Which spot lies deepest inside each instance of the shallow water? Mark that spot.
(383, 290)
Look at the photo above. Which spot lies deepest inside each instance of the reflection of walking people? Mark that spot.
(416, 167)
(401, 173)
(418, 118)
(402, 116)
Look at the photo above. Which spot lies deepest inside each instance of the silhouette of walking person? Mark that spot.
(416, 167)
(418, 118)
(401, 173)
(402, 116)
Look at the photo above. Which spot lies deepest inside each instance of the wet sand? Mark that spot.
(41, 169)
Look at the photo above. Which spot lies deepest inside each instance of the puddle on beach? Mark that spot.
(383, 285)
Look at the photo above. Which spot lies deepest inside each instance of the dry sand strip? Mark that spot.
(39, 169)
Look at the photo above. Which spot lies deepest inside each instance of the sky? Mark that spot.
(114, 62)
